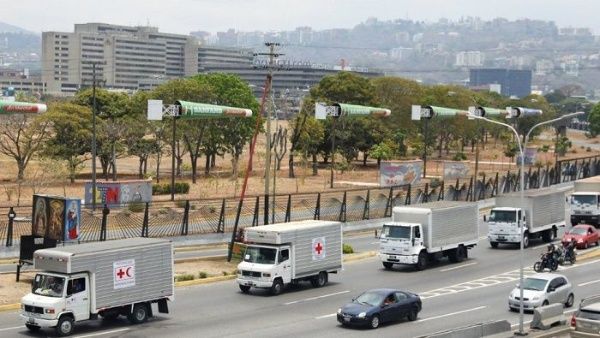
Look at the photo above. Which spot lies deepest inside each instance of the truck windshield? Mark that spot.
(45, 285)
(505, 216)
(392, 231)
(260, 255)
(583, 199)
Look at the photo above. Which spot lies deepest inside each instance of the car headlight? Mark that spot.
(535, 298)
(362, 315)
(266, 274)
(580, 241)
(339, 310)
(49, 310)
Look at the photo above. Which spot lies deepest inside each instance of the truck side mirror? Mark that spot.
(413, 241)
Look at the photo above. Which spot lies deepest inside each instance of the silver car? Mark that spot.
(586, 321)
(542, 289)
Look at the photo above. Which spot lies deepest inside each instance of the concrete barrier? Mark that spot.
(474, 331)
(546, 316)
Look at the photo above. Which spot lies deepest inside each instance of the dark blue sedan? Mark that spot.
(377, 306)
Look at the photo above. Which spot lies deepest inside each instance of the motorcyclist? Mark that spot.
(570, 249)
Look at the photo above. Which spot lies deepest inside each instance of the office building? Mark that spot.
(512, 82)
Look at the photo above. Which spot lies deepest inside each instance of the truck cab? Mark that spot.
(585, 208)
(400, 243)
(54, 295)
(503, 225)
(263, 264)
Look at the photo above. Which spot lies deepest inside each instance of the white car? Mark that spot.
(542, 289)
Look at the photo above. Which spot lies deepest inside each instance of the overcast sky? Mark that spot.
(183, 16)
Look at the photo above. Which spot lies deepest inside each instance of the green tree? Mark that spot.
(563, 145)
(382, 151)
(71, 134)
(594, 120)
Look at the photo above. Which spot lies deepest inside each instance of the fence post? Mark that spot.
(145, 223)
(408, 194)
(495, 188)
(267, 200)
(235, 229)
(441, 194)
(9, 231)
(470, 189)
(185, 220)
(366, 210)
(426, 193)
(342, 216)
(318, 207)
(105, 212)
(256, 208)
(388, 205)
(221, 225)
(288, 209)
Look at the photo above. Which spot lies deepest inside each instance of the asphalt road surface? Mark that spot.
(453, 295)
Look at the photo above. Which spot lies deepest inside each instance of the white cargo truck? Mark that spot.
(283, 253)
(107, 279)
(585, 201)
(542, 212)
(421, 233)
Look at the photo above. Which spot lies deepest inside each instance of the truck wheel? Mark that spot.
(422, 261)
(494, 245)
(139, 314)
(32, 328)
(453, 255)
(277, 287)
(387, 265)
(526, 240)
(245, 288)
(64, 326)
(320, 280)
(547, 236)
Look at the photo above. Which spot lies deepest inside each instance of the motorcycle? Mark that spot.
(547, 261)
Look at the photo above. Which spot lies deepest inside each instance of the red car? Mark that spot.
(584, 235)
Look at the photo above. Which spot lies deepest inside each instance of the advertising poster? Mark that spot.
(39, 219)
(455, 169)
(530, 156)
(72, 220)
(55, 217)
(118, 193)
(400, 173)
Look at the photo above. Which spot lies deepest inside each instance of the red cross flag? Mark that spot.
(124, 273)
(318, 248)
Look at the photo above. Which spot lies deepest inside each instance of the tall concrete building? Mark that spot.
(512, 82)
(128, 58)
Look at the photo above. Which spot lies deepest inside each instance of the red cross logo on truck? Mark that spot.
(318, 248)
(120, 273)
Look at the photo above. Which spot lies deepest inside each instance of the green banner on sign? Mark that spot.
(356, 110)
(198, 110)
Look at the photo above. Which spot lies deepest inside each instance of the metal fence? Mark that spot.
(192, 217)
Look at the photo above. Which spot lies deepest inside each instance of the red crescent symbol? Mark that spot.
(127, 272)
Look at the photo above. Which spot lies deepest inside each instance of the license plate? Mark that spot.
(346, 319)
(501, 237)
(30, 321)
(392, 257)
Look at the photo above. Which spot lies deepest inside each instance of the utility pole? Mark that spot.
(94, 136)
(272, 55)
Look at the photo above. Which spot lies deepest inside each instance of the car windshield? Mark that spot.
(400, 232)
(370, 298)
(534, 284)
(583, 199)
(260, 255)
(46, 285)
(505, 216)
(577, 231)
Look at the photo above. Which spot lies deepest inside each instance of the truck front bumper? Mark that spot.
(257, 283)
(584, 219)
(504, 238)
(399, 259)
(30, 320)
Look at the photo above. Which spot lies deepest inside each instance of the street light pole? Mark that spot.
(522, 198)
(94, 136)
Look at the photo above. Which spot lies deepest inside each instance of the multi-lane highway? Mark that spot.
(454, 295)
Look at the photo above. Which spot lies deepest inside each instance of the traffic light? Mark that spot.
(486, 111)
(417, 112)
(522, 112)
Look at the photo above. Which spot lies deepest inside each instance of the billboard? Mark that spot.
(455, 169)
(530, 156)
(116, 193)
(193, 109)
(400, 173)
(56, 217)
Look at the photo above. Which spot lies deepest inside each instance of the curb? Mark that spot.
(204, 280)
(10, 307)
(553, 332)
(360, 256)
(590, 254)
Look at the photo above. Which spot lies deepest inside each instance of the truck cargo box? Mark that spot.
(542, 206)
(121, 271)
(444, 223)
(303, 236)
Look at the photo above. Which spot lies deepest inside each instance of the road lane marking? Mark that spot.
(12, 328)
(458, 267)
(590, 282)
(102, 333)
(326, 316)
(452, 314)
(317, 297)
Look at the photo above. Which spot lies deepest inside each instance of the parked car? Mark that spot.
(377, 306)
(584, 235)
(586, 321)
(542, 289)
